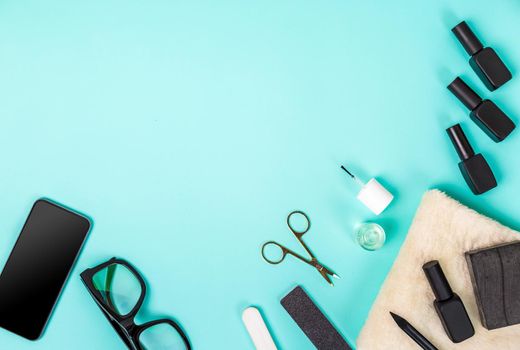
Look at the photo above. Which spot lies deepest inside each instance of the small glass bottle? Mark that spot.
(370, 236)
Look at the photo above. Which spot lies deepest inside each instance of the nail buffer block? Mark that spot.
(495, 274)
(312, 321)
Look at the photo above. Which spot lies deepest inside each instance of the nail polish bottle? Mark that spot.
(474, 168)
(495, 123)
(484, 60)
(372, 194)
(448, 305)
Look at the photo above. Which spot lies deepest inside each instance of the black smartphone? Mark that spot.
(38, 267)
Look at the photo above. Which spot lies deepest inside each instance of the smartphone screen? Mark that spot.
(38, 267)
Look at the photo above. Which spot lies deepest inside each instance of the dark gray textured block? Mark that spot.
(510, 255)
(312, 321)
(495, 274)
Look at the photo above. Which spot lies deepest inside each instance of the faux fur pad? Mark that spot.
(443, 230)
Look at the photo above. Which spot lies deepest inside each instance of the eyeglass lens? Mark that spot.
(119, 288)
(162, 336)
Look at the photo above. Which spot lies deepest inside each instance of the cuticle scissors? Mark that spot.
(324, 271)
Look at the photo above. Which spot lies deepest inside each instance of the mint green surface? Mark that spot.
(188, 130)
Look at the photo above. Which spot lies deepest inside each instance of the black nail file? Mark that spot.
(312, 321)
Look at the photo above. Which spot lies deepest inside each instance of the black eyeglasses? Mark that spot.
(119, 291)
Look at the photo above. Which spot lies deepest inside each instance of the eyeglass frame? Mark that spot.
(125, 325)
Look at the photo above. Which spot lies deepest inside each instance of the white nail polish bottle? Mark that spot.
(372, 194)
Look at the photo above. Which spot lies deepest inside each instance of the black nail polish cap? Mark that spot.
(473, 167)
(464, 93)
(467, 38)
(460, 141)
(449, 306)
(438, 281)
(495, 123)
(484, 60)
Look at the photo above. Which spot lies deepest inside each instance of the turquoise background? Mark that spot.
(188, 130)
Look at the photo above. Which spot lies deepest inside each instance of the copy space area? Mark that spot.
(188, 130)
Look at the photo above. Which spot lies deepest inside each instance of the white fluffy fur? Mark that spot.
(443, 230)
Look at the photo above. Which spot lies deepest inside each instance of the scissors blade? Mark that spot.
(332, 273)
(324, 272)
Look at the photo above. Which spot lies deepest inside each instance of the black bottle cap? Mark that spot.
(460, 141)
(464, 93)
(438, 281)
(467, 38)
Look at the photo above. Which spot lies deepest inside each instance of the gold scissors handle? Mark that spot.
(284, 251)
(299, 233)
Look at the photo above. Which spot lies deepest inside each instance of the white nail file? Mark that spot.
(257, 329)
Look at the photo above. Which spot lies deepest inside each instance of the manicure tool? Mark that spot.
(257, 329)
(324, 271)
